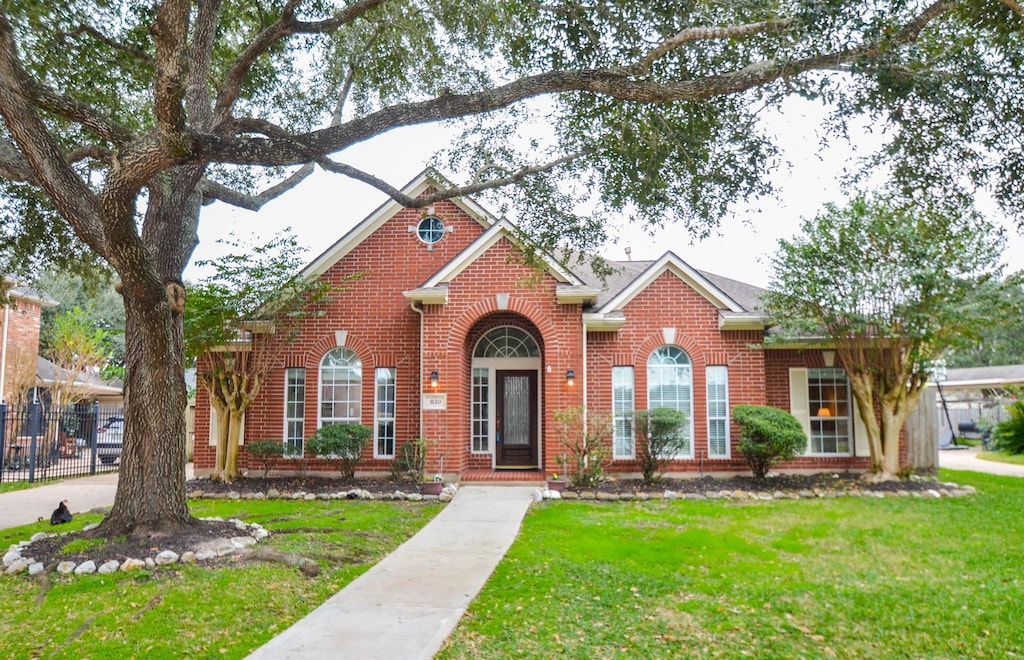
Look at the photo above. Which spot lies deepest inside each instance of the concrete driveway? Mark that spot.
(967, 459)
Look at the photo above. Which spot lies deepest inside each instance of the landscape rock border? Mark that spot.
(18, 559)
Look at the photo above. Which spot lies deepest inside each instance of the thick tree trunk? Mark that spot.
(150, 498)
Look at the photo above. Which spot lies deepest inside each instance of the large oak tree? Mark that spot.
(122, 118)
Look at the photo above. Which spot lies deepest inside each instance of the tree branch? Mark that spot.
(115, 45)
(212, 190)
(286, 25)
(643, 66)
(309, 147)
(1014, 6)
(461, 191)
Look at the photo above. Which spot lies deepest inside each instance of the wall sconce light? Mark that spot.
(824, 412)
(829, 358)
(435, 378)
(570, 378)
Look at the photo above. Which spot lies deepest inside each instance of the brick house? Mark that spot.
(21, 311)
(449, 336)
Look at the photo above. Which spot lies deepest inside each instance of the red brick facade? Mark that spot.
(19, 342)
(421, 308)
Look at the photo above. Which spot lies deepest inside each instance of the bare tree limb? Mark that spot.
(448, 193)
(214, 191)
(643, 66)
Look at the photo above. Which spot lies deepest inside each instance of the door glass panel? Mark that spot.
(517, 411)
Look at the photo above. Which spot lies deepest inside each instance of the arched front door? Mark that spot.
(506, 398)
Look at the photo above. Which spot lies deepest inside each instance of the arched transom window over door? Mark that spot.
(341, 387)
(670, 385)
(507, 342)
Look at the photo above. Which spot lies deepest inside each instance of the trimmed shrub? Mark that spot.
(264, 451)
(769, 436)
(1009, 433)
(659, 437)
(341, 444)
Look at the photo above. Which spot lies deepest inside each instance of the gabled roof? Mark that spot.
(18, 290)
(736, 301)
(428, 178)
(47, 373)
(571, 289)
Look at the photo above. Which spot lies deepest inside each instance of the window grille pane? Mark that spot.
(623, 405)
(718, 411)
(384, 412)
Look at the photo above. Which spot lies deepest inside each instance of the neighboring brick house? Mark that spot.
(448, 336)
(20, 319)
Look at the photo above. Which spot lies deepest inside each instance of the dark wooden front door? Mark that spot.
(516, 419)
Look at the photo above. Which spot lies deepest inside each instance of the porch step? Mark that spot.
(502, 477)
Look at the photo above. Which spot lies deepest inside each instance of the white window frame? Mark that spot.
(623, 408)
(818, 380)
(654, 369)
(480, 411)
(356, 403)
(294, 411)
(717, 384)
(384, 409)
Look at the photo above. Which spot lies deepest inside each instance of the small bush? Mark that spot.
(769, 436)
(1009, 433)
(587, 451)
(659, 438)
(411, 461)
(264, 451)
(341, 444)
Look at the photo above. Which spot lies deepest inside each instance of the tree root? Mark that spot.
(306, 566)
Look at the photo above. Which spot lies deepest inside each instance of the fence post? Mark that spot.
(3, 437)
(91, 425)
(35, 424)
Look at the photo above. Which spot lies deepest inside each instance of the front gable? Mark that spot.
(570, 288)
(427, 180)
(731, 314)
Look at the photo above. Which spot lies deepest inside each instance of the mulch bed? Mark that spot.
(784, 482)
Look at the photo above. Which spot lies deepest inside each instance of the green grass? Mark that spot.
(9, 486)
(1001, 457)
(196, 612)
(845, 577)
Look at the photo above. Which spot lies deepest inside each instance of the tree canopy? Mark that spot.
(122, 118)
(892, 285)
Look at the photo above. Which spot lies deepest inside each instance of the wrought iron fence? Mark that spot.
(38, 443)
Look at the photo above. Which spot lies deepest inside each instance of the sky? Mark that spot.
(325, 206)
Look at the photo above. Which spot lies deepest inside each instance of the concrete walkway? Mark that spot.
(967, 459)
(22, 507)
(406, 605)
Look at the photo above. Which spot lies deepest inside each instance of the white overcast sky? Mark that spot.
(325, 206)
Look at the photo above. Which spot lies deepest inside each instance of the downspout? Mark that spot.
(419, 376)
(584, 379)
(3, 349)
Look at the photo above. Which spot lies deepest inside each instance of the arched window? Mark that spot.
(341, 387)
(670, 385)
(507, 342)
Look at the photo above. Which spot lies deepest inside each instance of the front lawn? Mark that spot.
(1001, 457)
(195, 611)
(843, 577)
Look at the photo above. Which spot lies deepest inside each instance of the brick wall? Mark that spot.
(23, 321)
(691, 320)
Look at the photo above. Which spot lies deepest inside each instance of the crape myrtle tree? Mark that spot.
(238, 321)
(122, 119)
(891, 285)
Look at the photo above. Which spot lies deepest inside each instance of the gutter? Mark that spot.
(419, 376)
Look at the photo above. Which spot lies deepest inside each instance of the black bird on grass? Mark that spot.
(61, 514)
